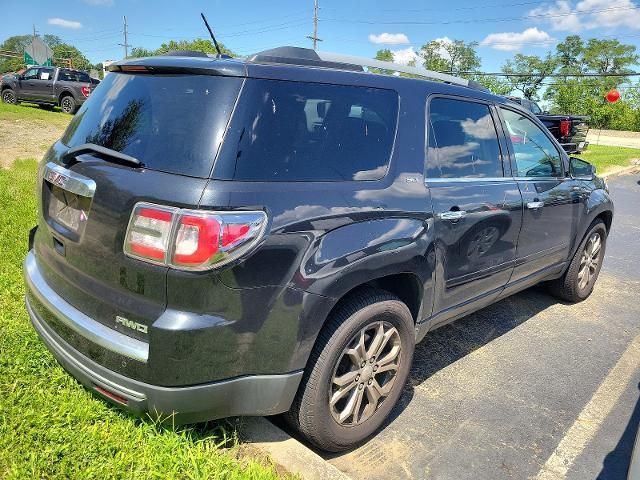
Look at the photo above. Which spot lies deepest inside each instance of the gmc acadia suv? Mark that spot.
(222, 237)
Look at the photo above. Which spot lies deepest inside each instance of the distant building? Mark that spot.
(105, 66)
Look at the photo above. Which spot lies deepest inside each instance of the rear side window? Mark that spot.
(172, 123)
(295, 131)
(462, 140)
(73, 76)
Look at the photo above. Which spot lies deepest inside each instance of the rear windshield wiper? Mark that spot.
(108, 154)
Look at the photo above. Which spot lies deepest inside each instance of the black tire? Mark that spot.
(311, 413)
(9, 96)
(68, 104)
(571, 286)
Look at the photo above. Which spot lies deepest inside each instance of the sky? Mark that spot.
(502, 28)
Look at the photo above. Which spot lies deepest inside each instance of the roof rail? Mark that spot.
(396, 67)
(309, 57)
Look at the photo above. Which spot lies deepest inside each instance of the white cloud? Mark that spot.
(509, 41)
(99, 3)
(61, 22)
(404, 56)
(389, 38)
(563, 15)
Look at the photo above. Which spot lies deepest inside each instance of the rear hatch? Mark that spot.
(173, 124)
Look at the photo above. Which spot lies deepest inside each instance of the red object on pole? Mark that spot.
(612, 96)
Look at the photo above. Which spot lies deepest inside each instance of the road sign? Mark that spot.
(38, 53)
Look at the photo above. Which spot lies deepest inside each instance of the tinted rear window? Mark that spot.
(296, 131)
(172, 123)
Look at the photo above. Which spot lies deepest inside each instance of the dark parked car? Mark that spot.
(570, 130)
(48, 86)
(286, 251)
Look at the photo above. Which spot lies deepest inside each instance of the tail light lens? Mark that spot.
(565, 128)
(191, 239)
(85, 91)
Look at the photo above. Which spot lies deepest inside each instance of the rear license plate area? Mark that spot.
(66, 212)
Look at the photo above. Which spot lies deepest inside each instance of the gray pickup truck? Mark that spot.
(48, 86)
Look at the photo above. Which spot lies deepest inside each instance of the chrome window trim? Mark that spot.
(77, 321)
(470, 180)
(73, 182)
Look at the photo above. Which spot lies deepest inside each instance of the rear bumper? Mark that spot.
(574, 147)
(248, 395)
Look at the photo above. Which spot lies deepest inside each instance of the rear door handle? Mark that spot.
(535, 205)
(453, 215)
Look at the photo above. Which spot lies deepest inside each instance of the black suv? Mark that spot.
(225, 237)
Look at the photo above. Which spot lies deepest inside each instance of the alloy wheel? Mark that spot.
(8, 96)
(66, 105)
(365, 373)
(590, 260)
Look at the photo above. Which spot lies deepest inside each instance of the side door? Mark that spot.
(43, 85)
(27, 81)
(551, 198)
(476, 203)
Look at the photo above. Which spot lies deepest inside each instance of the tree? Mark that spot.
(450, 56)
(527, 72)
(13, 44)
(63, 52)
(137, 52)
(197, 45)
(586, 95)
(495, 85)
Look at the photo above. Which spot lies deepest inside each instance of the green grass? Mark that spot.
(50, 426)
(607, 158)
(29, 111)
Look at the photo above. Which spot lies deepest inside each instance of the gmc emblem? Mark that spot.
(57, 179)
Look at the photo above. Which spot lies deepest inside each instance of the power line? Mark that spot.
(480, 20)
(551, 75)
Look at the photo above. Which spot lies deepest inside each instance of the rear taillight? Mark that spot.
(85, 91)
(191, 239)
(565, 128)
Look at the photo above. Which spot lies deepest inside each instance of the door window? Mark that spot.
(31, 74)
(462, 140)
(46, 74)
(535, 153)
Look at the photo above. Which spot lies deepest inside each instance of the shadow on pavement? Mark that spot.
(450, 343)
(616, 463)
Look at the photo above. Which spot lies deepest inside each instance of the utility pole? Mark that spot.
(314, 37)
(33, 45)
(125, 44)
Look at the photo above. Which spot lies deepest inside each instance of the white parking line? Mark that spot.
(593, 415)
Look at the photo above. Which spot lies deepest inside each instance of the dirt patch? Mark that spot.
(26, 138)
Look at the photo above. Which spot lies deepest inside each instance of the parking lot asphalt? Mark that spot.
(528, 387)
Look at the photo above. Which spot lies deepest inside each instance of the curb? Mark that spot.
(288, 452)
(624, 171)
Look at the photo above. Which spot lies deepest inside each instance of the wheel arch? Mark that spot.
(65, 93)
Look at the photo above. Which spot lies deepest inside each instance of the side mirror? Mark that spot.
(545, 112)
(581, 169)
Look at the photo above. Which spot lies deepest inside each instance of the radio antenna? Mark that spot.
(211, 33)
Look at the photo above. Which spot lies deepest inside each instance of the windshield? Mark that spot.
(172, 123)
